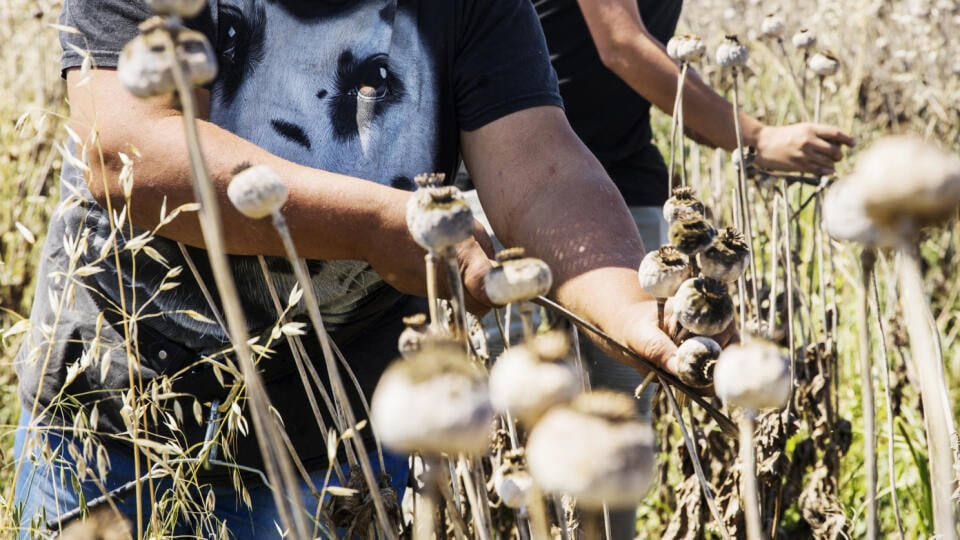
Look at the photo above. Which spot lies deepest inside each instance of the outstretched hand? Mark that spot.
(803, 147)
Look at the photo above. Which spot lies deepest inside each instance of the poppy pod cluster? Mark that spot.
(700, 302)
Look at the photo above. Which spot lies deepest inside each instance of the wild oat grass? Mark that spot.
(898, 73)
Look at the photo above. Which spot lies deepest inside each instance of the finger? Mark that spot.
(834, 135)
(653, 344)
(818, 163)
(830, 149)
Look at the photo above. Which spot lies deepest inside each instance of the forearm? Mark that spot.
(561, 207)
(331, 216)
(627, 48)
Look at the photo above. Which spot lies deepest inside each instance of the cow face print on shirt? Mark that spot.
(341, 86)
(345, 86)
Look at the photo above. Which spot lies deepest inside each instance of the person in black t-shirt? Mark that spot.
(437, 80)
(611, 64)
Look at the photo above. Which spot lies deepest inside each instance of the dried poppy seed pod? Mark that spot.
(762, 330)
(694, 361)
(195, 51)
(525, 382)
(682, 199)
(703, 306)
(595, 449)
(908, 181)
(725, 259)
(672, 45)
(411, 339)
(731, 53)
(804, 39)
(514, 488)
(691, 49)
(845, 216)
(429, 180)
(823, 64)
(690, 233)
(436, 401)
(257, 191)
(663, 270)
(183, 8)
(753, 375)
(517, 278)
(772, 26)
(439, 218)
(145, 67)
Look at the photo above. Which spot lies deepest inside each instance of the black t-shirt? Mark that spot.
(289, 80)
(612, 119)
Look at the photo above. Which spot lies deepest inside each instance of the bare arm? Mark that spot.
(543, 190)
(628, 49)
(331, 216)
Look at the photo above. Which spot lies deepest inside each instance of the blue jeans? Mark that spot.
(46, 489)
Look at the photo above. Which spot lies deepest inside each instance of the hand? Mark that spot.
(804, 147)
(474, 258)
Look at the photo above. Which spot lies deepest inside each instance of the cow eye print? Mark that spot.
(370, 76)
(240, 47)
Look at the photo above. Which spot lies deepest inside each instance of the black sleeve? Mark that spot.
(103, 27)
(501, 63)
